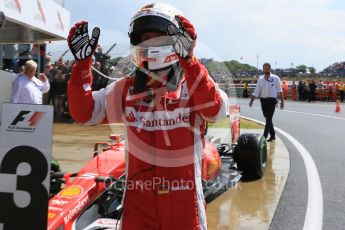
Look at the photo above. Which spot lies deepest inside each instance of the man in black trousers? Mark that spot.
(269, 89)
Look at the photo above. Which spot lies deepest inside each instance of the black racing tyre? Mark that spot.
(251, 155)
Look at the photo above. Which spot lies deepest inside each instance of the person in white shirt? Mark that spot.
(28, 89)
(268, 88)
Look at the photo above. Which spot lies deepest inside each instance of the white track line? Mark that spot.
(314, 213)
(305, 113)
(313, 114)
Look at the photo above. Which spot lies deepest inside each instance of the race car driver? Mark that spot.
(164, 104)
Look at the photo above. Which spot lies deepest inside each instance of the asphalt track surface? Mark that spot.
(321, 131)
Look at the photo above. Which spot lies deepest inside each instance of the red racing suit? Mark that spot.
(164, 142)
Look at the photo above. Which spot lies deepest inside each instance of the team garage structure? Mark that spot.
(25, 24)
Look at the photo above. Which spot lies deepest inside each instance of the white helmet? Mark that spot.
(152, 18)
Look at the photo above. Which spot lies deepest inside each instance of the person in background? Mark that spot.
(312, 90)
(306, 90)
(334, 91)
(341, 88)
(60, 95)
(301, 88)
(27, 88)
(47, 98)
(48, 65)
(245, 89)
(102, 58)
(21, 70)
(268, 88)
(97, 76)
(293, 91)
(330, 91)
(285, 88)
(319, 91)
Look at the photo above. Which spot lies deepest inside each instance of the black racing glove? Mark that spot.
(79, 42)
(182, 37)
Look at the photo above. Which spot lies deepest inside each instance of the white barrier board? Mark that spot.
(25, 154)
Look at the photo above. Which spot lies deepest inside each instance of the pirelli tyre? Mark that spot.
(251, 155)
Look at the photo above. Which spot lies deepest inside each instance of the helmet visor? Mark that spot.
(153, 58)
(147, 24)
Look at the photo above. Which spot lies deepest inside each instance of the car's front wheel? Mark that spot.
(251, 155)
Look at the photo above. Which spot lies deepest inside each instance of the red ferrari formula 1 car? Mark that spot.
(91, 198)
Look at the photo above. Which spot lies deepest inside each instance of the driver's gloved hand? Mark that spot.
(79, 41)
(183, 38)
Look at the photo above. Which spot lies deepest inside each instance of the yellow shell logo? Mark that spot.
(51, 215)
(71, 191)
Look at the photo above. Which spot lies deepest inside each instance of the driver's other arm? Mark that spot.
(210, 101)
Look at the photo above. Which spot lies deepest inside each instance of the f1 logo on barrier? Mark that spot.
(25, 121)
(33, 119)
(25, 153)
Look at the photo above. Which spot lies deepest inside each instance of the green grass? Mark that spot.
(245, 124)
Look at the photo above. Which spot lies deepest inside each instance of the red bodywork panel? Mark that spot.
(211, 163)
(66, 206)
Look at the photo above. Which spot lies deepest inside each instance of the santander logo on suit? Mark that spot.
(157, 120)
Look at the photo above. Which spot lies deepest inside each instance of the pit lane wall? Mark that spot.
(44, 15)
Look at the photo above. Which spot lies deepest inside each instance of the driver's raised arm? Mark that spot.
(80, 100)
